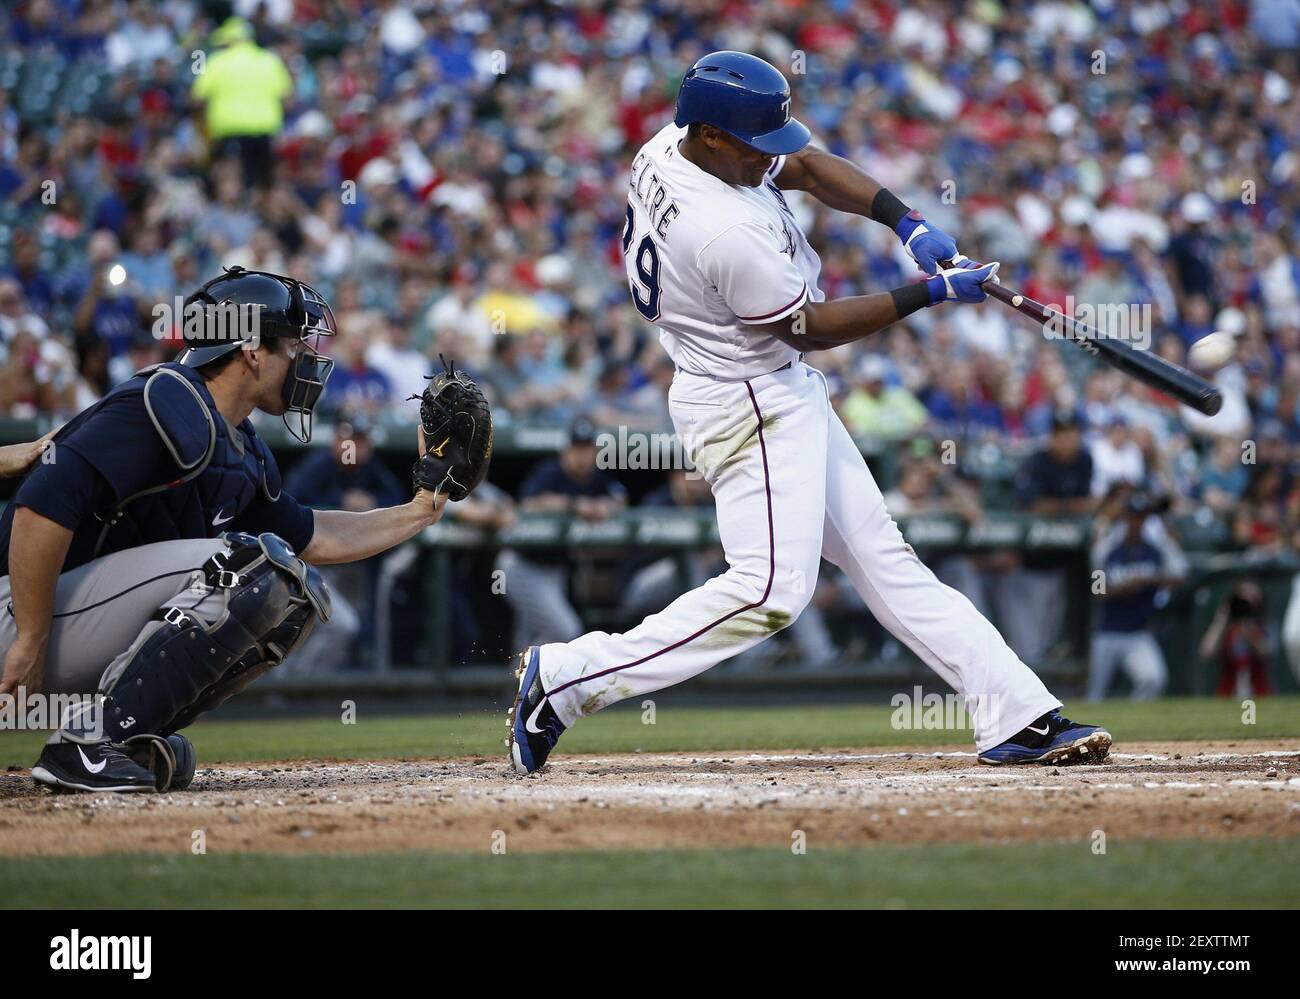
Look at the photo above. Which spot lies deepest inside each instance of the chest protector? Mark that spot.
(219, 470)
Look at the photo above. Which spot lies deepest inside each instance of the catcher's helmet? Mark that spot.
(238, 308)
(745, 97)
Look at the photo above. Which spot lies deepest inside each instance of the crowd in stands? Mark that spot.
(453, 177)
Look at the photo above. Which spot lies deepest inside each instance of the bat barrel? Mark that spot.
(1148, 368)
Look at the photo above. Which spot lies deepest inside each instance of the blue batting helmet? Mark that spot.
(745, 97)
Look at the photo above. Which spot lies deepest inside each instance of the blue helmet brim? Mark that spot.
(789, 138)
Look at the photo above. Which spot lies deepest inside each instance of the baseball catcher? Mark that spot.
(156, 567)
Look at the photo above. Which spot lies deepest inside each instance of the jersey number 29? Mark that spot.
(645, 285)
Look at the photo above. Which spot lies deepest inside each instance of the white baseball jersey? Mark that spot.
(707, 261)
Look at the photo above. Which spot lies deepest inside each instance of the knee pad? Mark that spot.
(270, 599)
(272, 593)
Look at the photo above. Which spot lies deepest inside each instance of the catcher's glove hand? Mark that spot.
(457, 426)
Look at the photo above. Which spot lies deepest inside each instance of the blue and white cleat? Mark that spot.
(534, 726)
(1052, 739)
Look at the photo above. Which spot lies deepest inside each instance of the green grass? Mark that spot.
(1180, 874)
(1255, 873)
(679, 728)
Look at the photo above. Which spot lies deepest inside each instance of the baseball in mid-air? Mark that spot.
(1212, 352)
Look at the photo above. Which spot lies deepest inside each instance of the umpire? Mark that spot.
(155, 566)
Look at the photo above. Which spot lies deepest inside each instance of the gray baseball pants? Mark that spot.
(105, 609)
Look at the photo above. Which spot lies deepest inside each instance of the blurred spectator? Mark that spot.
(148, 266)
(537, 583)
(457, 311)
(1276, 23)
(354, 384)
(1224, 477)
(243, 88)
(344, 476)
(1264, 511)
(491, 509)
(1058, 478)
(144, 351)
(1192, 250)
(92, 379)
(926, 487)
(25, 268)
(505, 381)
(142, 36)
(391, 355)
(1139, 561)
(1238, 638)
(109, 309)
(15, 315)
(1116, 457)
(655, 581)
(957, 405)
(877, 410)
(608, 401)
(1054, 481)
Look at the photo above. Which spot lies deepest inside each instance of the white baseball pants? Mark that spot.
(791, 487)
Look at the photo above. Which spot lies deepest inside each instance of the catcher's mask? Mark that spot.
(262, 305)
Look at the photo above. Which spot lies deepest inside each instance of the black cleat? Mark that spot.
(1052, 739)
(95, 766)
(533, 725)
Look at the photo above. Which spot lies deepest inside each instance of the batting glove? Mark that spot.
(924, 243)
(963, 282)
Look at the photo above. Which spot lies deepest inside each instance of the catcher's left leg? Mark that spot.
(249, 603)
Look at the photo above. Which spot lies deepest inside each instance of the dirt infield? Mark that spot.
(1149, 791)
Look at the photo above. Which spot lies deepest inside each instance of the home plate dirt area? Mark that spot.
(853, 797)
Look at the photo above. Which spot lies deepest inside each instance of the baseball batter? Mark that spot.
(715, 259)
(153, 563)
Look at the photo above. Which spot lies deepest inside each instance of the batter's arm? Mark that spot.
(37, 549)
(832, 180)
(838, 184)
(824, 325)
(344, 536)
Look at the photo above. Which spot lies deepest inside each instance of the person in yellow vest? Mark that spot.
(243, 88)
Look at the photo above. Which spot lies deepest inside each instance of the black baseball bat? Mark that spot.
(1147, 367)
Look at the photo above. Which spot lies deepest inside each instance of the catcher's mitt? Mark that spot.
(457, 426)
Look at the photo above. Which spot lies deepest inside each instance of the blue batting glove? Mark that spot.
(963, 282)
(924, 243)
